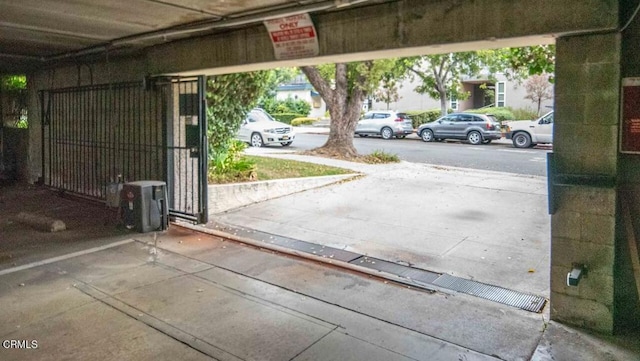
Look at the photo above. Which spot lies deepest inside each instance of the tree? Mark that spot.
(440, 74)
(388, 90)
(521, 63)
(538, 89)
(229, 98)
(343, 87)
(13, 82)
(14, 87)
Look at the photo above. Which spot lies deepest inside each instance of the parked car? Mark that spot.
(474, 128)
(387, 124)
(259, 129)
(525, 134)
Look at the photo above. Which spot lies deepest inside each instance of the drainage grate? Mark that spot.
(291, 243)
(324, 251)
(410, 273)
(493, 293)
(505, 296)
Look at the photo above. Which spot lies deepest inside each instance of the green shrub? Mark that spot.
(287, 117)
(419, 117)
(289, 105)
(524, 114)
(500, 113)
(380, 156)
(302, 121)
(229, 165)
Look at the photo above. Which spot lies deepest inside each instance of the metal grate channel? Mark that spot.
(419, 276)
(407, 272)
(291, 243)
(493, 293)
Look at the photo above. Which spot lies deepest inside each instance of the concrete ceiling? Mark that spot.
(35, 32)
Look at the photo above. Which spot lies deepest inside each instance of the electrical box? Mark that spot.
(144, 205)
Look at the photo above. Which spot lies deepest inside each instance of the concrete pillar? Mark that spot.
(583, 228)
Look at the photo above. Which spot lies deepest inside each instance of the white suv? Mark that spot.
(259, 129)
(387, 124)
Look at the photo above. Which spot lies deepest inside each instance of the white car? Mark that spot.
(525, 134)
(259, 129)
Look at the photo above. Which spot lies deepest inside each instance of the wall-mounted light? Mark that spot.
(577, 272)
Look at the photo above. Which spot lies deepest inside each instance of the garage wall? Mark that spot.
(627, 295)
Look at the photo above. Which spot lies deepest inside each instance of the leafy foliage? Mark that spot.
(524, 114)
(229, 98)
(419, 117)
(302, 121)
(15, 87)
(388, 90)
(521, 63)
(290, 105)
(13, 82)
(230, 164)
(287, 117)
(380, 156)
(499, 112)
(538, 90)
(440, 74)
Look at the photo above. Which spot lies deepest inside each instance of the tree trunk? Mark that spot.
(444, 109)
(344, 109)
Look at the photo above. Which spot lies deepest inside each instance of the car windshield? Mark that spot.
(259, 116)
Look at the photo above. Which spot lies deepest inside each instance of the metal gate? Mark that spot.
(155, 130)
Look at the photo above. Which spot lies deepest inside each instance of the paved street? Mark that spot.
(498, 156)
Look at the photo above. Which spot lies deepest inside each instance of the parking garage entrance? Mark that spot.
(93, 136)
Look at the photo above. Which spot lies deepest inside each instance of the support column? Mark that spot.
(583, 228)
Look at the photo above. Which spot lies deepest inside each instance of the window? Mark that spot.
(500, 94)
(453, 102)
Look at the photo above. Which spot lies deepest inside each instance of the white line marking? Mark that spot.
(515, 151)
(66, 256)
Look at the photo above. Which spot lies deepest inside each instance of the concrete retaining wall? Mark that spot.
(224, 197)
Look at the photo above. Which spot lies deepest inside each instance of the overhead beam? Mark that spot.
(396, 29)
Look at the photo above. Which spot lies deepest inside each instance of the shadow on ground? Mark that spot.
(87, 223)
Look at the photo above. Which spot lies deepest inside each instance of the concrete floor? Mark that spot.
(192, 296)
(101, 293)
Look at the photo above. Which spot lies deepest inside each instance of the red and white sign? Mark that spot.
(293, 37)
(630, 127)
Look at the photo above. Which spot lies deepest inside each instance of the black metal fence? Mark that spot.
(96, 135)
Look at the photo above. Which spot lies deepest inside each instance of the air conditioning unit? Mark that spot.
(144, 205)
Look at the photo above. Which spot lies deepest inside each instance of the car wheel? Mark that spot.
(474, 138)
(286, 144)
(521, 140)
(386, 133)
(486, 141)
(400, 136)
(427, 135)
(256, 140)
